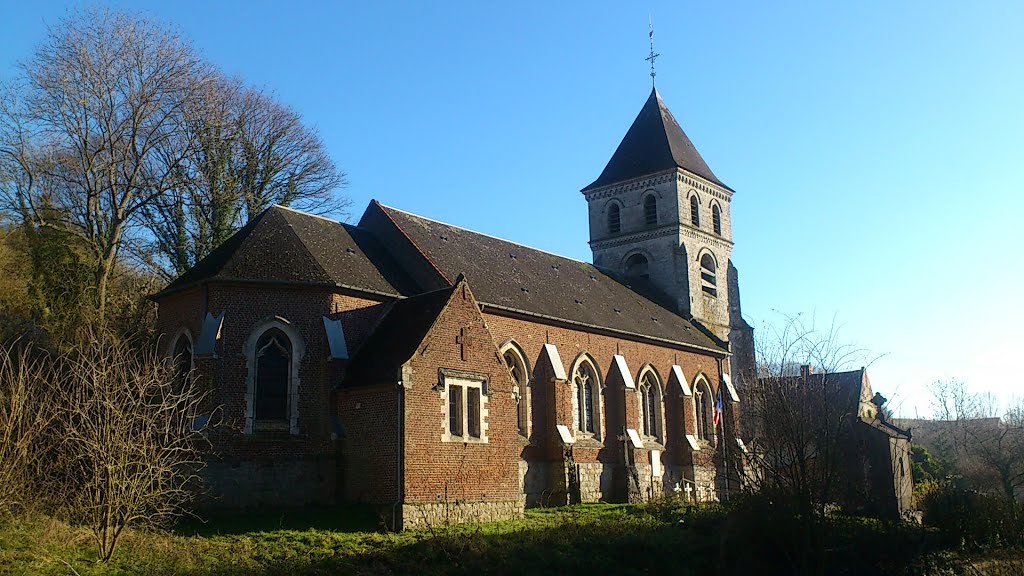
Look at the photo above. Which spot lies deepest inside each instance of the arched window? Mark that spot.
(650, 210)
(521, 380)
(273, 372)
(703, 405)
(708, 276)
(716, 219)
(695, 211)
(181, 359)
(650, 405)
(587, 388)
(614, 220)
(636, 266)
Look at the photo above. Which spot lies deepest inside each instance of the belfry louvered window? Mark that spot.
(716, 219)
(708, 275)
(694, 211)
(650, 210)
(614, 219)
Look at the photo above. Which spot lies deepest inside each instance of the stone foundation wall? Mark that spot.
(451, 513)
(707, 485)
(672, 476)
(241, 484)
(543, 484)
(595, 481)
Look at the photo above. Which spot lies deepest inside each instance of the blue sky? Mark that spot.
(876, 147)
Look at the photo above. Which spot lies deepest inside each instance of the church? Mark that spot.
(443, 375)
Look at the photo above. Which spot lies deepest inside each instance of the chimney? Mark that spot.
(806, 371)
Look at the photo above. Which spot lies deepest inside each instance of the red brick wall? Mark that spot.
(470, 471)
(621, 406)
(369, 451)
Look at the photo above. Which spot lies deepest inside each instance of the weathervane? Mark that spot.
(652, 56)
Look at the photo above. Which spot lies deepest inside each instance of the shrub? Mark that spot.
(972, 520)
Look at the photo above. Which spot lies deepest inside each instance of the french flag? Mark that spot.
(718, 408)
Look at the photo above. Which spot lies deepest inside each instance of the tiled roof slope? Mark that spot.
(395, 338)
(654, 143)
(518, 278)
(286, 245)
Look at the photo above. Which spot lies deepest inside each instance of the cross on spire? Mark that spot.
(653, 55)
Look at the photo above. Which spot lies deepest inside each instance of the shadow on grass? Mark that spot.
(343, 518)
(573, 547)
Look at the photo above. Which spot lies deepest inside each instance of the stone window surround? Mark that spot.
(584, 437)
(705, 285)
(609, 229)
(702, 387)
(647, 370)
(184, 331)
(467, 380)
(521, 391)
(298, 352)
(650, 196)
(694, 219)
(716, 217)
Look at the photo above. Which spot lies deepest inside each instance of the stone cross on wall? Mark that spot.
(464, 340)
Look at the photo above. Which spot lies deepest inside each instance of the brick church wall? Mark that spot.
(601, 468)
(266, 468)
(482, 478)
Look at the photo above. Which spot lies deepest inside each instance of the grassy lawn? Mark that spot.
(585, 539)
(581, 539)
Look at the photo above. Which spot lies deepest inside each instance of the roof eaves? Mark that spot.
(263, 282)
(603, 329)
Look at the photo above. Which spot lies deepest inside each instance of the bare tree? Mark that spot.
(132, 430)
(799, 424)
(88, 136)
(26, 413)
(248, 152)
(988, 449)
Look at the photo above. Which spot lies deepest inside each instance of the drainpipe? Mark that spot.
(400, 461)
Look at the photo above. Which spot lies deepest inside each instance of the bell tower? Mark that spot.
(660, 219)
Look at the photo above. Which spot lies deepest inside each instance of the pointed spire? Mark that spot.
(654, 143)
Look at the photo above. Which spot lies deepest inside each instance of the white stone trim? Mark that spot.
(206, 346)
(619, 362)
(336, 343)
(684, 387)
(556, 361)
(598, 395)
(521, 390)
(730, 388)
(466, 383)
(298, 352)
(658, 407)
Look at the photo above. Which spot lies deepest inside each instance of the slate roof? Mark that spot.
(282, 244)
(395, 338)
(522, 279)
(654, 143)
(848, 386)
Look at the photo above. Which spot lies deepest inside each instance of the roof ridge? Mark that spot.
(302, 241)
(304, 213)
(422, 252)
(491, 236)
